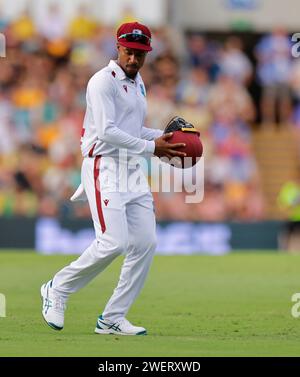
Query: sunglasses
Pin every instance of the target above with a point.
(135, 37)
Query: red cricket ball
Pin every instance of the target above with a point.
(193, 148)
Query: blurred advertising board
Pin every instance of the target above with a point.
(72, 236)
(51, 236)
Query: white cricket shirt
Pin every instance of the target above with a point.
(115, 115)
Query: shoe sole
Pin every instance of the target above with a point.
(50, 324)
(113, 332)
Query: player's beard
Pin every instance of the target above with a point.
(131, 71)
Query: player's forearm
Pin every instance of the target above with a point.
(120, 139)
(150, 133)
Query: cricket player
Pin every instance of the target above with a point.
(124, 220)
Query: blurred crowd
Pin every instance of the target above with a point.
(42, 103)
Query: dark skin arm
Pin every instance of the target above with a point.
(165, 149)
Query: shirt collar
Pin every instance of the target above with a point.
(120, 74)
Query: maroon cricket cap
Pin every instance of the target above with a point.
(134, 35)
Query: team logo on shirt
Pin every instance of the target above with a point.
(106, 201)
(125, 88)
(143, 90)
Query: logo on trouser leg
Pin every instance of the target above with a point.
(106, 201)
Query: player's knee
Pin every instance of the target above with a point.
(115, 246)
(146, 242)
(120, 246)
(153, 242)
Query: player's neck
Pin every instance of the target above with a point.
(131, 77)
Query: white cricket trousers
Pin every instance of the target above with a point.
(124, 222)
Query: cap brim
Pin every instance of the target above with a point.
(135, 45)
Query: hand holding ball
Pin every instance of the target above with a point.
(184, 133)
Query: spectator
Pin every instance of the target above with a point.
(227, 93)
(274, 63)
(82, 26)
(194, 87)
(3, 20)
(23, 28)
(289, 203)
(234, 63)
(53, 25)
(204, 54)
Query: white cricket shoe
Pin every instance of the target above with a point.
(53, 307)
(121, 327)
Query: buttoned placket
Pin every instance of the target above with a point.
(133, 83)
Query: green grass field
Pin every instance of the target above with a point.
(236, 305)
